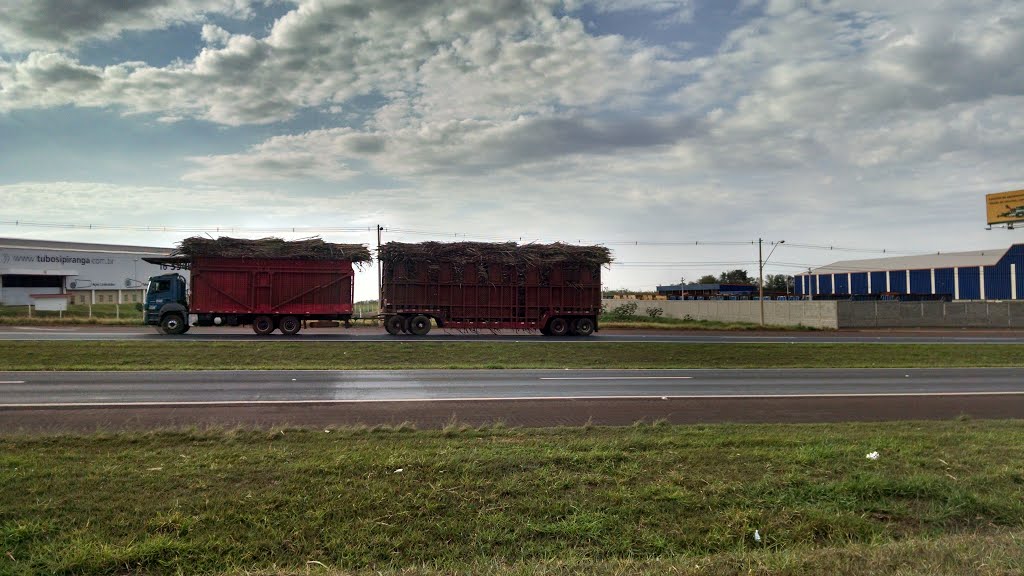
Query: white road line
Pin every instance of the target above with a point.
(619, 378)
(499, 399)
(12, 381)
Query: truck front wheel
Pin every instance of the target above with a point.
(263, 325)
(173, 324)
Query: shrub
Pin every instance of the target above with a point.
(625, 310)
(655, 312)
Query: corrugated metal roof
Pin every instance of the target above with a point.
(920, 262)
(79, 246)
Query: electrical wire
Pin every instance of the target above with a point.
(402, 231)
(191, 229)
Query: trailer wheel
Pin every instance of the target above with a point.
(393, 324)
(173, 324)
(583, 327)
(290, 325)
(263, 325)
(405, 324)
(419, 325)
(558, 327)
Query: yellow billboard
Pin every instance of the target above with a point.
(1005, 207)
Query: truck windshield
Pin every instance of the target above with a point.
(159, 286)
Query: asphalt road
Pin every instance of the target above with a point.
(123, 333)
(59, 402)
(314, 386)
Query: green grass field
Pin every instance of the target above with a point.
(75, 314)
(180, 354)
(943, 498)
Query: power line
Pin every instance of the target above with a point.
(437, 234)
(218, 229)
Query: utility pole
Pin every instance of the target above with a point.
(760, 277)
(810, 289)
(760, 271)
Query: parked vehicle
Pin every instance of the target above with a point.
(553, 288)
(277, 285)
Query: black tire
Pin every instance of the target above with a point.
(545, 331)
(186, 328)
(393, 324)
(290, 325)
(405, 324)
(173, 324)
(583, 327)
(558, 327)
(263, 325)
(419, 325)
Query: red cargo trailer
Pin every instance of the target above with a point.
(269, 294)
(240, 289)
(556, 296)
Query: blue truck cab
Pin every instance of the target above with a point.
(167, 304)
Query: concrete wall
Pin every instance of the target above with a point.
(786, 313)
(961, 314)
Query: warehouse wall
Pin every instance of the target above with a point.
(980, 314)
(796, 313)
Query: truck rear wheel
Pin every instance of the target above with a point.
(583, 327)
(290, 325)
(419, 325)
(173, 324)
(558, 327)
(263, 325)
(393, 324)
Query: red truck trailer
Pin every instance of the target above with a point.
(268, 293)
(553, 288)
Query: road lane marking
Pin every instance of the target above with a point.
(617, 378)
(160, 404)
(12, 381)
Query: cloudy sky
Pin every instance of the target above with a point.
(678, 126)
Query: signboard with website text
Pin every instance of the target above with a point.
(85, 270)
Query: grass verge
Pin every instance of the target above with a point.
(635, 322)
(944, 497)
(76, 314)
(180, 354)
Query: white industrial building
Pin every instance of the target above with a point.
(86, 273)
(996, 274)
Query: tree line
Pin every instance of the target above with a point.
(775, 282)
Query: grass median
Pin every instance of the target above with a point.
(943, 497)
(183, 355)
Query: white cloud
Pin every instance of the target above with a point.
(496, 59)
(675, 10)
(62, 25)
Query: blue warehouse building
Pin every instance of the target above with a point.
(979, 275)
